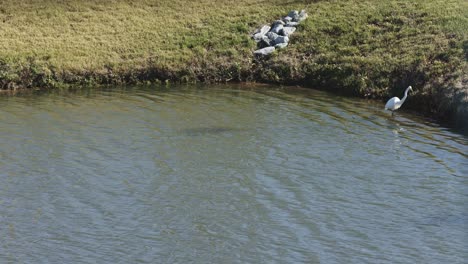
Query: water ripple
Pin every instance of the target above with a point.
(226, 174)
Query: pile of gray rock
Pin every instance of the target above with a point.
(276, 36)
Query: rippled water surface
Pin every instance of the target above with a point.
(227, 174)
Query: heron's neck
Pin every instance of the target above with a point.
(406, 95)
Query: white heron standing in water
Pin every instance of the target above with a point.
(395, 102)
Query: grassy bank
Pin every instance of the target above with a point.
(366, 48)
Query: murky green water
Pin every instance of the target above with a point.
(227, 174)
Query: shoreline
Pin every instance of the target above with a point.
(448, 104)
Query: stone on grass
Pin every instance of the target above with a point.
(287, 19)
(264, 29)
(281, 45)
(265, 42)
(265, 51)
(277, 35)
(257, 37)
(294, 15)
(281, 39)
(271, 36)
(302, 15)
(260, 33)
(277, 22)
(288, 30)
(292, 24)
(277, 28)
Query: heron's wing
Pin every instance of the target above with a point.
(392, 103)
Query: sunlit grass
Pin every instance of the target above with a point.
(93, 34)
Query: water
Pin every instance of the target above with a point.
(227, 174)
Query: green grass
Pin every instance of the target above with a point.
(96, 34)
(367, 48)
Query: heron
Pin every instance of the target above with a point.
(395, 102)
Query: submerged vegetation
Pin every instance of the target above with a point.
(366, 48)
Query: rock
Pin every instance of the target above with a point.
(287, 19)
(277, 28)
(281, 45)
(292, 24)
(294, 15)
(280, 39)
(257, 37)
(277, 35)
(265, 29)
(265, 42)
(264, 51)
(288, 31)
(271, 36)
(278, 22)
(260, 33)
(302, 16)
